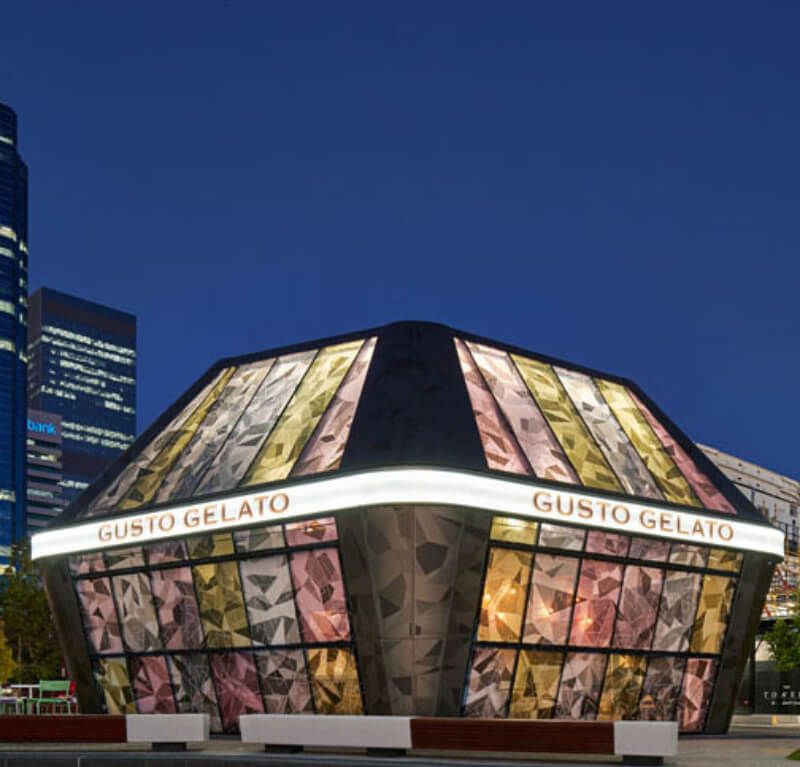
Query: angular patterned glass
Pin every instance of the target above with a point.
(319, 530)
(513, 530)
(144, 488)
(623, 683)
(550, 600)
(568, 427)
(236, 680)
(121, 559)
(319, 595)
(112, 677)
(712, 614)
(137, 615)
(99, 615)
(649, 549)
(334, 681)
(529, 426)
(489, 683)
(581, 682)
(696, 694)
(85, 564)
(662, 686)
(255, 424)
(268, 596)
(219, 594)
(685, 554)
(560, 537)
(670, 480)
(284, 679)
(596, 603)
(194, 687)
(507, 575)
(259, 538)
(178, 612)
(499, 444)
(724, 559)
(536, 684)
(613, 441)
(209, 545)
(166, 552)
(676, 611)
(710, 496)
(152, 685)
(612, 544)
(638, 608)
(283, 447)
(324, 450)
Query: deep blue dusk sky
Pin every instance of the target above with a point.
(614, 184)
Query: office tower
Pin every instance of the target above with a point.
(82, 366)
(44, 469)
(13, 302)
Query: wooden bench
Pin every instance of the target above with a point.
(167, 732)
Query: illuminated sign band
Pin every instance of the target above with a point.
(384, 487)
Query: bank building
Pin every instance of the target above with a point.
(410, 520)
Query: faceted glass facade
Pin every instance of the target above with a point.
(613, 628)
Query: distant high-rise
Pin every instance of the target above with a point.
(82, 366)
(13, 303)
(44, 469)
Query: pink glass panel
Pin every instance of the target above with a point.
(152, 687)
(311, 531)
(319, 594)
(99, 615)
(176, 606)
(83, 564)
(166, 551)
(649, 549)
(704, 488)
(695, 694)
(499, 445)
(236, 680)
(638, 607)
(596, 603)
(598, 542)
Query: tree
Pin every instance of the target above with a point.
(783, 640)
(7, 662)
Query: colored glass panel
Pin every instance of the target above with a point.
(219, 594)
(529, 426)
(581, 682)
(121, 559)
(612, 544)
(489, 683)
(152, 686)
(685, 554)
(638, 607)
(499, 445)
(319, 595)
(321, 530)
(560, 537)
(166, 552)
(550, 599)
(85, 564)
(617, 448)
(724, 559)
(696, 694)
(662, 686)
(259, 538)
(623, 683)
(99, 615)
(284, 679)
(270, 604)
(256, 423)
(210, 545)
(137, 615)
(513, 530)
(712, 614)
(194, 687)
(659, 463)
(596, 603)
(649, 549)
(143, 490)
(536, 684)
(710, 496)
(285, 443)
(577, 443)
(177, 608)
(236, 680)
(334, 681)
(325, 449)
(112, 677)
(676, 611)
(507, 575)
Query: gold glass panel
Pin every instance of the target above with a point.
(112, 674)
(146, 485)
(297, 423)
(669, 478)
(536, 684)
(210, 545)
(623, 682)
(514, 530)
(334, 681)
(503, 603)
(712, 614)
(219, 594)
(724, 559)
(569, 428)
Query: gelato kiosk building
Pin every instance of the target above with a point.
(410, 520)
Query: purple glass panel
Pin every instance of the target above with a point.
(285, 681)
(695, 694)
(99, 615)
(319, 593)
(152, 686)
(176, 606)
(236, 680)
(596, 603)
(662, 686)
(676, 612)
(165, 552)
(581, 683)
(84, 564)
(194, 687)
(638, 607)
(489, 683)
(311, 531)
(649, 549)
(599, 542)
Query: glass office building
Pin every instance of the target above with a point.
(44, 469)
(13, 303)
(411, 520)
(82, 366)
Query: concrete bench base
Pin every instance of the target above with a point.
(167, 732)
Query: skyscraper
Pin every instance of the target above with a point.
(13, 304)
(44, 469)
(83, 367)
